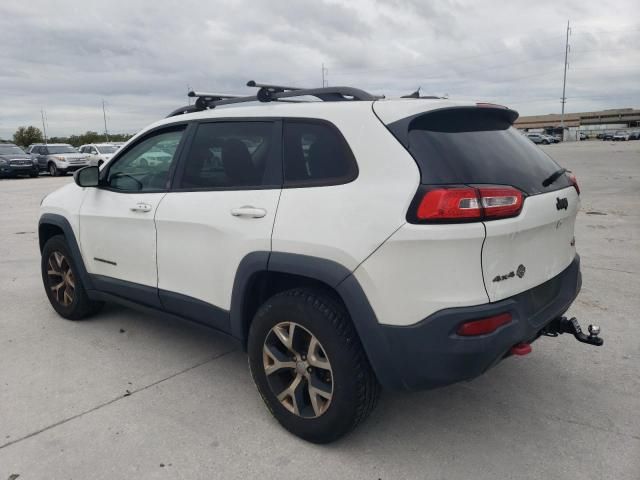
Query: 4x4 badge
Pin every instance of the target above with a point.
(561, 203)
(520, 271)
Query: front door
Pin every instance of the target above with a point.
(117, 229)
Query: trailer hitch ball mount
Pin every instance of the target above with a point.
(562, 325)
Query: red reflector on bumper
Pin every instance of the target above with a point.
(484, 325)
(521, 349)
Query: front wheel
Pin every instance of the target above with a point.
(53, 170)
(64, 287)
(309, 365)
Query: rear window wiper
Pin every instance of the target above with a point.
(553, 177)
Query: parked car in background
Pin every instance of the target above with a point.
(621, 136)
(99, 153)
(539, 138)
(58, 158)
(584, 136)
(635, 135)
(607, 136)
(14, 161)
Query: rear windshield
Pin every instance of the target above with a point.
(479, 146)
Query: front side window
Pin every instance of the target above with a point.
(146, 166)
(231, 155)
(315, 153)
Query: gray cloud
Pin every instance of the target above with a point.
(140, 56)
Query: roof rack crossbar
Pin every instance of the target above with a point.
(270, 93)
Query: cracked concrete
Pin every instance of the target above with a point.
(566, 411)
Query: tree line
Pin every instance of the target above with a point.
(25, 136)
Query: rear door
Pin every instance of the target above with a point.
(478, 147)
(221, 209)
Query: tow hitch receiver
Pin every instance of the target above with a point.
(562, 325)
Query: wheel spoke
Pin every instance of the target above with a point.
(70, 281)
(58, 258)
(57, 287)
(319, 396)
(315, 355)
(274, 360)
(284, 332)
(289, 396)
(66, 298)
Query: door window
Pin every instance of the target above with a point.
(146, 166)
(232, 155)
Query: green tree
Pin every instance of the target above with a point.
(25, 136)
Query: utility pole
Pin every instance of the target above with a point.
(188, 90)
(104, 115)
(44, 125)
(325, 71)
(564, 81)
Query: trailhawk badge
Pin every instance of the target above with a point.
(520, 271)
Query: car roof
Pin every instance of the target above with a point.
(394, 109)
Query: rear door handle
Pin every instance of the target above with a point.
(249, 212)
(142, 207)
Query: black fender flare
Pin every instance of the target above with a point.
(337, 277)
(64, 225)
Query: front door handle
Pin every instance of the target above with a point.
(249, 212)
(142, 207)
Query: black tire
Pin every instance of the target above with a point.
(355, 389)
(545, 142)
(81, 306)
(34, 175)
(53, 169)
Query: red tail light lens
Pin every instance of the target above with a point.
(449, 203)
(462, 203)
(484, 325)
(574, 182)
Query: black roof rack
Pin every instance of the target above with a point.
(271, 93)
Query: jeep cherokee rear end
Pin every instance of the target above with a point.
(487, 257)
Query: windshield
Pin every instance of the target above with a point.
(478, 146)
(10, 150)
(61, 149)
(106, 149)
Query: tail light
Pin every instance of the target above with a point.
(484, 325)
(449, 204)
(574, 182)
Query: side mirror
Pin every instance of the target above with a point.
(87, 177)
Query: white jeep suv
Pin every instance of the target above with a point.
(347, 244)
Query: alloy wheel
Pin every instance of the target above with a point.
(298, 370)
(61, 279)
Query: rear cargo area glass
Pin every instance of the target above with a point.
(478, 146)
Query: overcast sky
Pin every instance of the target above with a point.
(139, 56)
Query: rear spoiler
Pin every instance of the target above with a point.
(482, 116)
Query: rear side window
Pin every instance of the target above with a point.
(478, 146)
(316, 154)
(232, 155)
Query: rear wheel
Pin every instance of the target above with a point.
(309, 365)
(64, 287)
(53, 169)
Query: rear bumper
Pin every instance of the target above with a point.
(429, 354)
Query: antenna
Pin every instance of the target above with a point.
(104, 115)
(564, 81)
(44, 125)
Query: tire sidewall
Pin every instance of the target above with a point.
(337, 419)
